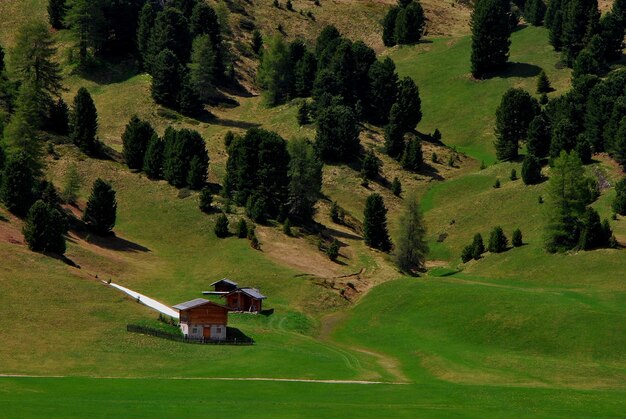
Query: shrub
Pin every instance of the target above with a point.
(242, 228)
(333, 250)
(619, 203)
(478, 247)
(434, 158)
(370, 166)
(496, 185)
(513, 174)
(71, 186)
(221, 226)
(396, 187)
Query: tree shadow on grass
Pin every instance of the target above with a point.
(232, 123)
(232, 334)
(341, 234)
(111, 241)
(429, 170)
(523, 70)
(110, 72)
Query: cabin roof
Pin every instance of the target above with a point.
(225, 281)
(195, 303)
(251, 292)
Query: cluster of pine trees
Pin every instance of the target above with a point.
(404, 24)
(273, 179)
(180, 157)
(498, 243)
(587, 40)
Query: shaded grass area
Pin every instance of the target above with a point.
(462, 108)
(164, 398)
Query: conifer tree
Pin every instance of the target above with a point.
(153, 159)
(490, 36)
(205, 200)
(478, 247)
(394, 134)
(389, 27)
(59, 117)
(531, 170)
(337, 133)
(612, 33)
(619, 9)
(101, 210)
(44, 229)
(305, 179)
(383, 90)
(135, 141)
(171, 32)
(592, 235)
(204, 21)
(538, 136)
(411, 249)
(375, 223)
(85, 18)
(72, 183)
(326, 37)
(84, 122)
(412, 158)
(409, 103)
(203, 67)
(274, 71)
(517, 109)
(556, 29)
(370, 166)
(196, 177)
(147, 15)
(396, 187)
(188, 102)
(257, 41)
(166, 79)
(221, 226)
(333, 250)
(517, 239)
(56, 13)
(619, 203)
(618, 149)
(543, 83)
(17, 184)
(242, 228)
(497, 241)
(409, 24)
(578, 23)
(534, 12)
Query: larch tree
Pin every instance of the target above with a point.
(203, 68)
(274, 71)
(411, 245)
(86, 20)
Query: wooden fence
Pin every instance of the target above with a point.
(239, 340)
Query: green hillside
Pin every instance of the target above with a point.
(522, 333)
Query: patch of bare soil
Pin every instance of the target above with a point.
(11, 229)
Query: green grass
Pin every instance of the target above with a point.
(462, 108)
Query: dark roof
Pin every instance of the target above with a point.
(225, 281)
(251, 292)
(195, 303)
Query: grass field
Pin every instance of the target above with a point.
(520, 334)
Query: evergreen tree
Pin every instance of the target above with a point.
(337, 133)
(203, 68)
(467, 253)
(396, 187)
(257, 42)
(534, 12)
(578, 24)
(166, 79)
(304, 74)
(619, 203)
(242, 228)
(221, 226)
(612, 33)
(44, 229)
(326, 37)
(101, 210)
(591, 60)
(411, 249)
(273, 74)
(517, 109)
(490, 36)
(538, 136)
(17, 184)
(144, 33)
(196, 177)
(556, 30)
(170, 32)
(56, 13)
(204, 21)
(531, 170)
(383, 90)
(409, 24)
(412, 158)
(563, 137)
(592, 235)
(389, 27)
(619, 9)
(59, 117)
(568, 189)
(410, 104)
(497, 241)
(333, 250)
(305, 179)
(543, 83)
(85, 18)
(303, 114)
(618, 150)
(135, 141)
(84, 122)
(370, 166)
(72, 182)
(188, 102)
(553, 7)
(517, 239)
(375, 223)
(478, 247)
(607, 139)
(206, 200)
(181, 148)
(153, 159)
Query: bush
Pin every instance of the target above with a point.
(496, 185)
(287, 228)
(396, 187)
(619, 203)
(434, 158)
(513, 174)
(206, 200)
(221, 226)
(497, 241)
(516, 240)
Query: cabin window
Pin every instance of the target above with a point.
(194, 330)
(219, 330)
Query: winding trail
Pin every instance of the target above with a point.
(145, 300)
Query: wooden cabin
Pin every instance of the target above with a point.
(203, 319)
(245, 299)
(224, 285)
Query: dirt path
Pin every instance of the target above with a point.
(288, 380)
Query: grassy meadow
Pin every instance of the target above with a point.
(521, 333)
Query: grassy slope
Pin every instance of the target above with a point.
(537, 327)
